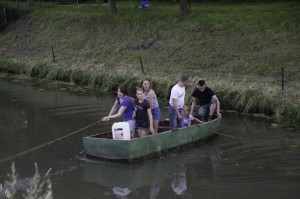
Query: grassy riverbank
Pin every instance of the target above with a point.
(238, 48)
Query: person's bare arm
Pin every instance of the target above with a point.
(218, 107)
(119, 114)
(150, 120)
(197, 120)
(193, 105)
(151, 98)
(113, 108)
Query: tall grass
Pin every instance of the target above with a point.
(39, 186)
(233, 97)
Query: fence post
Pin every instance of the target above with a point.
(282, 78)
(142, 65)
(53, 56)
(5, 18)
(77, 6)
(18, 8)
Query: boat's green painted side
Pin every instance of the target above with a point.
(140, 147)
(106, 148)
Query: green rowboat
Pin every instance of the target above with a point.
(103, 146)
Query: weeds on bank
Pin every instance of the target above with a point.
(234, 95)
(39, 187)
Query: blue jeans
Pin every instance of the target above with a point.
(206, 107)
(174, 121)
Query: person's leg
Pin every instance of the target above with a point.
(180, 123)
(139, 131)
(172, 117)
(156, 118)
(155, 125)
(212, 108)
(143, 132)
(131, 127)
(203, 110)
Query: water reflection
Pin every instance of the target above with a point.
(215, 159)
(178, 180)
(157, 178)
(154, 190)
(127, 181)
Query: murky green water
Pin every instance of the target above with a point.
(35, 113)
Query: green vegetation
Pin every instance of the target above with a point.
(38, 186)
(238, 48)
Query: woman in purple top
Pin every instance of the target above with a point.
(126, 109)
(151, 97)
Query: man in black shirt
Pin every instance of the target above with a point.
(207, 99)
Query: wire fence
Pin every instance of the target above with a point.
(278, 76)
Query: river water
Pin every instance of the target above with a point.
(35, 112)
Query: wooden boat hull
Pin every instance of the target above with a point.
(141, 147)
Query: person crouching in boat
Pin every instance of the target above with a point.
(188, 118)
(209, 102)
(126, 109)
(143, 114)
(152, 98)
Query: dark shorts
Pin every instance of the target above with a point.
(144, 125)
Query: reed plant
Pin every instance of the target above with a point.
(232, 96)
(39, 187)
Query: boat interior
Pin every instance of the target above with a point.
(164, 125)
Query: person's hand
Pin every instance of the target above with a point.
(105, 119)
(133, 114)
(219, 115)
(179, 117)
